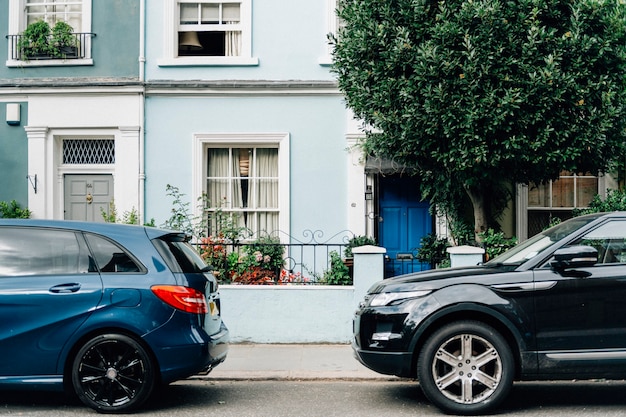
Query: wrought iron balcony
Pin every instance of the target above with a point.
(21, 50)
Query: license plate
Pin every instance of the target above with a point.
(213, 308)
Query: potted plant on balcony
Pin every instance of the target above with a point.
(34, 42)
(63, 41)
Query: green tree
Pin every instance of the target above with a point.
(477, 95)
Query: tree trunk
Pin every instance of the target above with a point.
(480, 213)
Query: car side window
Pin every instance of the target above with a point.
(610, 241)
(40, 251)
(110, 257)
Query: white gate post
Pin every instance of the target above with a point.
(369, 267)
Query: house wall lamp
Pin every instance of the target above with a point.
(13, 114)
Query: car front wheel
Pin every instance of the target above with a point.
(113, 373)
(465, 368)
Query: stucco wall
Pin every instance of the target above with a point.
(13, 156)
(316, 128)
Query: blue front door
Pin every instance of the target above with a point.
(404, 220)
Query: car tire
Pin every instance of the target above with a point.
(113, 373)
(466, 368)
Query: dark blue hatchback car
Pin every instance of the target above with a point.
(107, 311)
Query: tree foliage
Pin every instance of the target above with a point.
(480, 94)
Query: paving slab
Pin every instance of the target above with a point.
(292, 361)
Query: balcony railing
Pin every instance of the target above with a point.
(19, 52)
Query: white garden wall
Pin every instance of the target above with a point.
(300, 313)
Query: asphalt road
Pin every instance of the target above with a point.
(321, 398)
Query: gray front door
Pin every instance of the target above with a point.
(88, 196)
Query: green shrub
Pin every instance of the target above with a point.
(357, 241)
(12, 210)
(615, 201)
(338, 274)
(495, 243)
(432, 250)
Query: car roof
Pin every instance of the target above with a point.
(94, 227)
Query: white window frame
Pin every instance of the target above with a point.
(203, 141)
(17, 24)
(522, 207)
(170, 38)
(332, 24)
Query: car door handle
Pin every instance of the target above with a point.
(65, 288)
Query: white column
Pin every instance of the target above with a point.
(128, 177)
(40, 180)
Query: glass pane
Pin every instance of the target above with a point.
(189, 13)
(179, 255)
(40, 252)
(586, 189)
(613, 230)
(109, 256)
(267, 195)
(75, 22)
(538, 195)
(210, 13)
(230, 13)
(563, 192)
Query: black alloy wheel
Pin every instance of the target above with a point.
(466, 368)
(113, 373)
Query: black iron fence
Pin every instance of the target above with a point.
(76, 48)
(403, 265)
(312, 262)
(250, 262)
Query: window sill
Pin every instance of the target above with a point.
(325, 60)
(49, 63)
(207, 61)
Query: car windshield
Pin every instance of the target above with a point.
(536, 244)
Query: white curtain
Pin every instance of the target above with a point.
(220, 179)
(233, 43)
(225, 188)
(266, 173)
(231, 15)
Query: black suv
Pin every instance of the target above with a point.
(553, 307)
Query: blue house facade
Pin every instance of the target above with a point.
(250, 115)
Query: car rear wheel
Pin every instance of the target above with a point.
(113, 373)
(466, 368)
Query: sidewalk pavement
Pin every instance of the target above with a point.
(291, 361)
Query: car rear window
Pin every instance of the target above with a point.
(179, 255)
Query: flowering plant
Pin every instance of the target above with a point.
(256, 275)
(213, 251)
(288, 277)
(260, 262)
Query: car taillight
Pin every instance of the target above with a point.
(182, 298)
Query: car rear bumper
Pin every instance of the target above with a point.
(189, 359)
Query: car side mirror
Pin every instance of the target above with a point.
(579, 256)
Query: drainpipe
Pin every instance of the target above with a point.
(142, 102)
